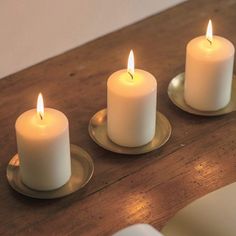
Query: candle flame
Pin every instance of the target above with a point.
(130, 67)
(40, 106)
(209, 33)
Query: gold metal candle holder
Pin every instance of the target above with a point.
(98, 132)
(176, 95)
(82, 169)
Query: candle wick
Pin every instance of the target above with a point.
(41, 117)
(209, 41)
(132, 77)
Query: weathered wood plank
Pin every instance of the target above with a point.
(152, 194)
(75, 83)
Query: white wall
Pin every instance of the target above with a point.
(34, 30)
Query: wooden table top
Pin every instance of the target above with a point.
(199, 158)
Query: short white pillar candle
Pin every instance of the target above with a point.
(43, 148)
(138, 230)
(131, 106)
(208, 72)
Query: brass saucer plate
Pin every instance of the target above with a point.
(82, 169)
(98, 132)
(176, 95)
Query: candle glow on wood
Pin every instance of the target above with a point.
(130, 66)
(209, 33)
(40, 106)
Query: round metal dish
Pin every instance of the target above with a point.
(98, 132)
(176, 95)
(82, 169)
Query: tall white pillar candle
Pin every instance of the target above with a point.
(208, 72)
(131, 106)
(43, 148)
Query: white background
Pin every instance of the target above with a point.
(34, 30)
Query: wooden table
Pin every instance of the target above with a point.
(199, 158)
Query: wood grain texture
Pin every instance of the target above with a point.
(199, 158)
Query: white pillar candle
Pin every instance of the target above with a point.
(208, 72)
(138, 230)
(131, 106)
(43, 148)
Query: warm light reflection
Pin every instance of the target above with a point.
(137, 206)
(209, 32)
(40, 106)
(130, 67)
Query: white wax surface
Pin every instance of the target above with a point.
(43, 149)
(208, 73)
(138, 230)
(211, 215)
(131, 107)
